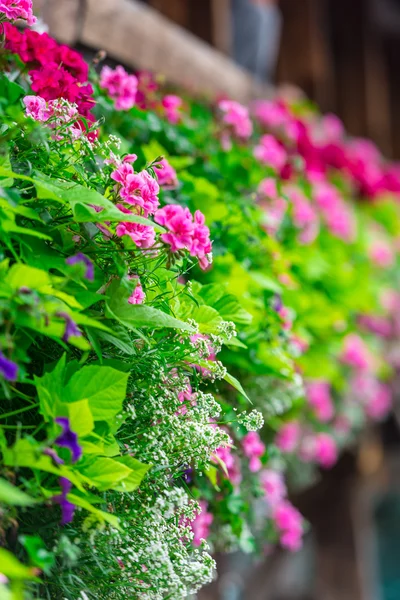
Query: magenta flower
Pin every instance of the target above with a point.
(253, 448)
(273, 485)
(179, 223)
(289, 521)
(171, 105)
(143, 235)
(8, 368)
(83, 259)
(36, 107)
(236, 116)
(319, 398)
(288, 437)
(121, 86)
(270, 152)
(18, 9)
(166, 175)
(67, 507)
(68, 438)
(201, 524)
(138, 296)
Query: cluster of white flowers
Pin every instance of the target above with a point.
(155, 558)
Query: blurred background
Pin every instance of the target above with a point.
(345, 55)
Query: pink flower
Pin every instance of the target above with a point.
(270, 152)
(18, 9)
(143, 235)
(381, 254)
(36, 107)
(355, 352)
(201, 244)
(337, 214)
(380, 402)
(137, 189)
(166, 175)
(224, 453)
(273, 485)
(288, 437)
(121, 86)
(271, 114)
(267, 187)
(326, 453)
(179, 223)
(201, 524)
(253, 448)
(171, 105)
(138, 296)
(236, 116)
(320, 448)
(289, 522)
(319, 398)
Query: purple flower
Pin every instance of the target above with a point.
(71, 328)
(53, 455)
(277, 303)
(82, 258)
(8, 368)
(188, 475)
(67, 508)
(68, 438)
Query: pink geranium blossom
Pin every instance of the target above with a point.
(320, 448)
(289, 522)
(273, 485)
(382, 254)
(253, 448)
(18, 9)
(120, 85)
(201, 524)
(236, 116)
(172, 105)
(138, 296)
(288, 437)
(319, 398)
(225, 454)
(270, 152)
(36, 107)
(142, 235)
(355, 353)
(179, 223)
(166, 175)
(268, 188)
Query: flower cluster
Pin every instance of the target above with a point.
(17, 9)
(121, 86)
(56, 71)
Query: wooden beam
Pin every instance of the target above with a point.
(140, 37)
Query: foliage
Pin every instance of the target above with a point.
(136, 367)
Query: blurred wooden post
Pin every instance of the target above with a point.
(222, 25)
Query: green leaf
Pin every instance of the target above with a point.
(12, 568)
(138, 471)
(10, 91)
(9, 494)
(82, 199)
(237, 385)
(37, 552)
(25, 453)
(104, 389)
(104, 473)
(100, 514)
(28, 276)
(80, 417)
(139, 315)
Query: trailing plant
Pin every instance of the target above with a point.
(197, 308)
